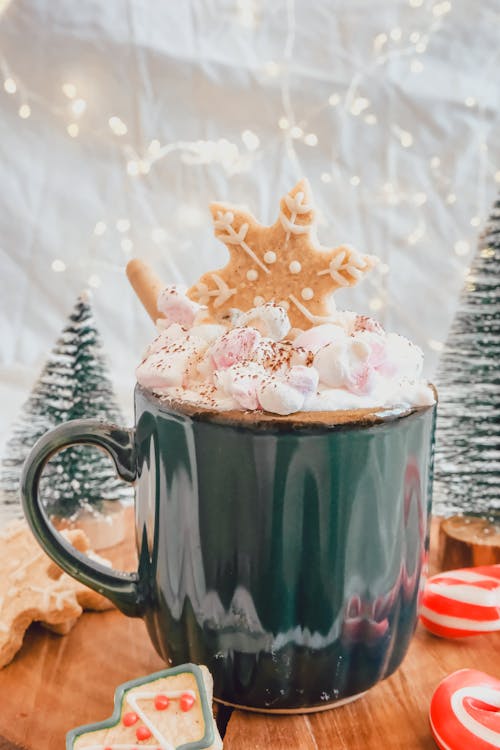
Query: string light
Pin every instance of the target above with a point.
(24, 111)
(325, 177)
(435, 162)
(132, 168)
(405, 138)
(333, 100)
(251, 140)
(355, 180)
(487, 252)
(100, 228)
(475, 221)
(78, 107)
(440, 9)
(123, 225)
(419, 199)
(370, 119)
(311, 139)
(117, 126)
(154, 147)
(10, 86)
(451, 198)
(283, 123)
(58, 265)
(379, 42)
(470, 101)
(69, 90)
(296, 132)
(73, 129)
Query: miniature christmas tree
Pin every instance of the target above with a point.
(73, 384)
(467, 468)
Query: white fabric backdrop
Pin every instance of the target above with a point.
(121, 120)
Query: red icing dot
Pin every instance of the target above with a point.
(142, 733)
(186, 702)
(130, 718)
(161, 702)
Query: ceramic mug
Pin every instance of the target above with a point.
(284, 555)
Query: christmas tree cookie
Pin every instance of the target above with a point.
(167, 710)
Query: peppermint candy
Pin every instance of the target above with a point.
(464, 711)
(462, 602)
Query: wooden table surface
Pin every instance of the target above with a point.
(58, 682)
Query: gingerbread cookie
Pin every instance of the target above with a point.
(165, 710)
(33, 588)
(282, 263)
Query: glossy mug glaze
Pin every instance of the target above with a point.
(284, 555)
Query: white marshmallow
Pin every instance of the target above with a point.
(315, 338)
(165, 369)
(270, 320)
(209, 332)
(280, 398)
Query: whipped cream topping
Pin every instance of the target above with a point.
(254, 361)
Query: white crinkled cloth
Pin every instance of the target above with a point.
(389, 109)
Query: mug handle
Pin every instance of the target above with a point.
(125, 590)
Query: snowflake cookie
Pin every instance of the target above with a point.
(166, 710)
(33, 588)
(282, 263)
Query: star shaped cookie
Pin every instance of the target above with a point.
(281, 263)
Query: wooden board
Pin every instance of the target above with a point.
(56, 683)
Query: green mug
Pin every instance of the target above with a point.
(285, 554)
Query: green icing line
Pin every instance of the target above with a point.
(206, 740)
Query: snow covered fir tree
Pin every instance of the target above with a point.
(467, 468)
(73, 384)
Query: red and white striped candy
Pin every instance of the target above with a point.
(464, 711)
(462, 602)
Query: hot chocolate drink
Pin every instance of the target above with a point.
(282, 455)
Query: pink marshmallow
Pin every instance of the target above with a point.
(234, 346)
(315, 338)
(303, 379)
(241, 382)
(176, 307)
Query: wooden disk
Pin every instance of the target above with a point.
(465, 542)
